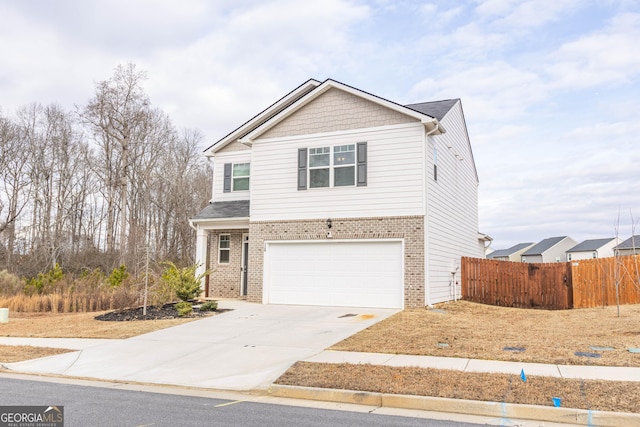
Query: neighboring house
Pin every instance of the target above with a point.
(553, 249)
(594, 248)
(484, 241)
(631, 246)
(511, 254)
(334, 196)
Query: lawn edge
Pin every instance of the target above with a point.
(499, 410)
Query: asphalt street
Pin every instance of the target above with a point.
(113, 407)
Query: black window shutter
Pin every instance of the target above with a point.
(362, 164)
(302, 169)
(227, 178)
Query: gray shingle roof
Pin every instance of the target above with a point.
(632, 242)
(437, 109)
(219, 210)
(544, 246)
(510, 251)
(590, 245)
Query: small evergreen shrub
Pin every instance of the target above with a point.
(44, 283)
(182, 280)
(184, 308)
(118, 275)
(209, 306)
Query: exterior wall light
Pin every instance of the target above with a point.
(329, 223)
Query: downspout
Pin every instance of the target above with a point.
(427, 290)
(211, 163)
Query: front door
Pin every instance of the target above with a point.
(245, 265)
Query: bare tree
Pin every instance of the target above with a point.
(15, 183)
(115, 116)
(88, 190)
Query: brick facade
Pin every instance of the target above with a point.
(225, 279)
(410, 228)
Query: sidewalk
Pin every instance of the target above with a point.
(607, 373)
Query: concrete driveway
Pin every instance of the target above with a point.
(243, 349)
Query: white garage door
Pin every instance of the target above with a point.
(350, 274)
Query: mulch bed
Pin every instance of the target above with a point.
(167, 311)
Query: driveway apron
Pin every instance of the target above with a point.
(246, 348)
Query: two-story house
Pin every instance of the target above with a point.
(334, 196)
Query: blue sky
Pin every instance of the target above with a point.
(550, 88)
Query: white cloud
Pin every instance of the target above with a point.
(607, 56)
(524, 15)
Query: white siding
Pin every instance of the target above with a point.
(452, 208)
(558, 253)
(218, 175)
(394, 171)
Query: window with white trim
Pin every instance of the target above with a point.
(319, 167)
(337, 166)
(344, 165)
(241, 176)
(332, 166)
(236, 177)
(224, 248)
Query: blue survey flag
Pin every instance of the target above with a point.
(523, 377)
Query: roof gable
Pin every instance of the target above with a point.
(430, 123)
(336, 110)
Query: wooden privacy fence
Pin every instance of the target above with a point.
(553, 286)
(517, 284)
(594, 281)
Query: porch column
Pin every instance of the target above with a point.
(201, 253)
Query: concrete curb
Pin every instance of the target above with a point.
(459, 406)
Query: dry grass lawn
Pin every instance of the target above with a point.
(69, 325)
(482, 332)
(479, 331)
(580, 394)
(79, 325)
(18, 353)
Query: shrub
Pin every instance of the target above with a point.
(209, 306)
(182, 280)
(184, 308)
(10, 284)
(44, 283)
(118, 275)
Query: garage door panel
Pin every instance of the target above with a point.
(366, 274)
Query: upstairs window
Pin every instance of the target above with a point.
(241, 176)
(337, 166)
(344, 165)
(319, 167)
(236, 177)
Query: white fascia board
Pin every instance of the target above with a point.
(429, 122)
(261, 116)
(220, 223)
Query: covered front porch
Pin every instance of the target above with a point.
(222, 248)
